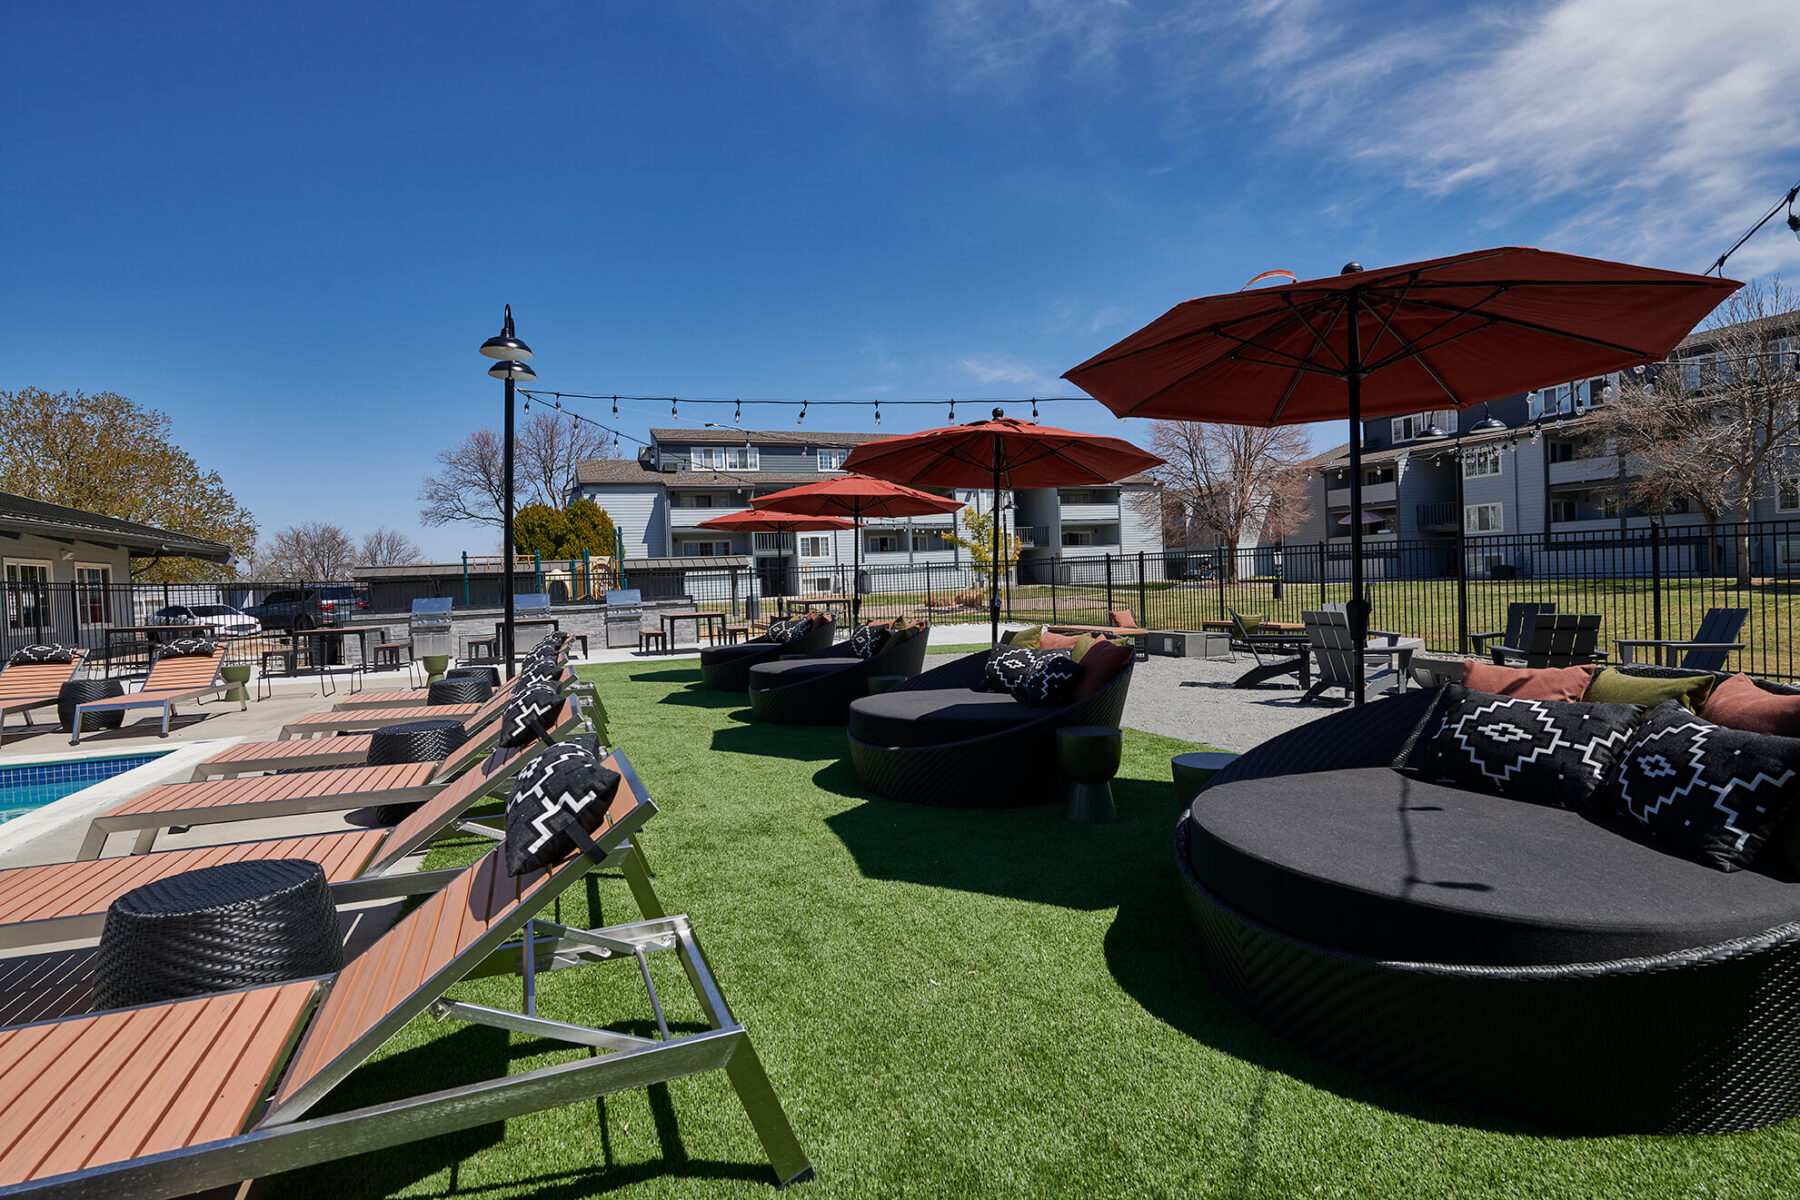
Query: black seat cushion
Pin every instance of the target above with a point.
(780, 674)
(935, 716)
(714, 655)
(1372, 862)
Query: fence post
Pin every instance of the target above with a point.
(1656, 580)
(1219, 574)
(467, 602)
(1322, 569)
(1143, 613)
(1462, 588)
(1109, 599)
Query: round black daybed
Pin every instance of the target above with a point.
(727, 668)
(933, 740)
(819, 688)
(1506, 956)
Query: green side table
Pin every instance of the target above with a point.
(1089, 755)
(435, 666)
(237, 675)
(1194, 771)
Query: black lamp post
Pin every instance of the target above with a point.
(511, 368)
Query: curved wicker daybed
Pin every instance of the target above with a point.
(818, 689)
(1498, 954)
(933, 740)
(727, 668)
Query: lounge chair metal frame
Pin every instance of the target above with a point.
(23, 702)
(166, 700)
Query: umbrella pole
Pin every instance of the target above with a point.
(856, 568)
(994, 561)
(1358, 608)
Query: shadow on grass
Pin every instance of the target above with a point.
(802, 743)
(673, 675)
(699, 697)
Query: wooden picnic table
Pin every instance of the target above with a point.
(670, 618)
(1273, 626)
(324, 669)
(809, 603)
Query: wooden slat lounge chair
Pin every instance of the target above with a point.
(1554, 640)
(1705, 651)
(413, 697)
(1514, 634)
(168, 1099)
(473, 716)
(26, 686)
(217, 801)
(172, 680)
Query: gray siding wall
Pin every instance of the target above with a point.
(639, 513)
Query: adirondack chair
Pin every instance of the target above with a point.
(1514, 633)
(1554, 640)
(1336, 655)
(1276, 654)
(1705, 651)
(169, 1099)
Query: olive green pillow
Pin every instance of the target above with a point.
(1616, 687)
(1027, 638)
(1250, 622)
(1086, 642)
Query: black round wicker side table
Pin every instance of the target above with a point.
(81, 691)
(228, 926)
(1089, 755)
(458, 691)
(488, 675)
(1192, 771)
(415, 741)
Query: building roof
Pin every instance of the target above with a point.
(688, 562)
(736, 437)
(25, 515)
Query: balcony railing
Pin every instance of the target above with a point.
(1438, 515)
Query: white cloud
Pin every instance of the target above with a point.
(1004, 368)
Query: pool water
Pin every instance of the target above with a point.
(28, 788)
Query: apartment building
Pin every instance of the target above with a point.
(685, 476)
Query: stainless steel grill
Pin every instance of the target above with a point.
(429, 626)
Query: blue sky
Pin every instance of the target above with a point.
(290, 226)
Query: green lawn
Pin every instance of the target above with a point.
(956, 1004)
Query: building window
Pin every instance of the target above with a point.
(1562, 452)
(1483, 518)
(1077, 537)
(93, 593)
(1561, 510)
(1787, 553)
(1787, 493)
(726, 458)
(881, 543)
(27, 594)
(815, 547)
(926, 540)
(1483, 460)
(1406, 428)
(832, 460)
(1609, 506)
(704, 549)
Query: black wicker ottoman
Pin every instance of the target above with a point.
(82, 691)
(229, 926)
(459, 691)
(414, 741)
(488, 675)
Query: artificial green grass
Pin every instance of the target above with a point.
(954, 1003)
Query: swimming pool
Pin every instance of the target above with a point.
(28, 788)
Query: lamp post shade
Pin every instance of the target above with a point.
(1004, 454)
(1443, 333)
(857, 497)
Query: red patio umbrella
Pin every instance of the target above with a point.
(762, 520)
(1005, 454)
(1445, 333)
(856, 497)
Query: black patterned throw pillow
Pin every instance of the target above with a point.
(1546, 751)
(52, 653)
(1008, 667)
(558, 802)
(529, 714)
(1710, 793)
(869, 640)
(548, 644)
(542, 670)
(1052, 680)
(184, 647)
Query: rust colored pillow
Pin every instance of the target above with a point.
(1737, 703)
(1122, 618)
(1057, 641)
(1527, 683)
(1103, 660)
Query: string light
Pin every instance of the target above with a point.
(953, 410)
(802, 417)
(878, 413)
(615, 406)
(672, 411)
(737, 412)
(1034, 408)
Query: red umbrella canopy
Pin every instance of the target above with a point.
(1025, 455)
(762, 520)
(858, 497)
(1445, 333)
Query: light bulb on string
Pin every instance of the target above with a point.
(615, 406)
(953, 410)
(672, 404)
(1034, 408)
(801, 419)
(878, 414)
(737, 412)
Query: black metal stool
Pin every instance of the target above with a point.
(1089, 755)
(216, 929)
(80, 691)
(458, 691)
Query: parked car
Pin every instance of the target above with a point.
(308, 608)
(219, 618)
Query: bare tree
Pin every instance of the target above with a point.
(384, 547)
(310, 552)
(1714, 423)
(1231, 482)
(469, 483)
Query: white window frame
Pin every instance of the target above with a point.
(1410, 426)
(691, 549)
(1472, 522)
(1480, 456)
(82, 587)
(1787, 553)
(893, 535)
(1081, 537)
(727, 458)
(15, 593)
(832, 458)
(815, 545)
(1780, 485)
(927, 536)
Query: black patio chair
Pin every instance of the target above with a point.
(1554, 640)
(1335, 653)
(1287, 654)
(1514, 633)
(1706, 650)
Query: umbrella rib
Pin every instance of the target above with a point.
(1306, 365)
(1218, 329)
(1517, 323)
